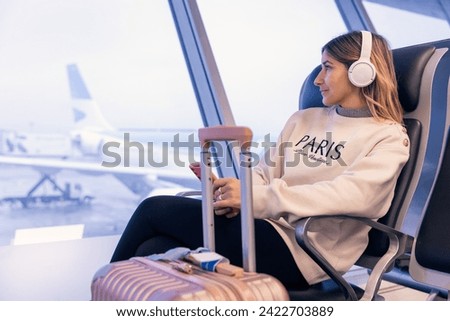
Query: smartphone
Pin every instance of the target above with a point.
(195, 168)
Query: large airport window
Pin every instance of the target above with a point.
(264, 51)
(406, 23)
(85, 86)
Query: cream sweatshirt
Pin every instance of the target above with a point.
(329, 161)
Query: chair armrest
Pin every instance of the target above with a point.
(397, 246)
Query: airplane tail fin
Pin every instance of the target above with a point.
(86, 112)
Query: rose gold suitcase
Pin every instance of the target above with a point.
(140, 278)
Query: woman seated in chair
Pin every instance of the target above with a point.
(342, 159)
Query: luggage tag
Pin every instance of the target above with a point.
(214, 262)
(202, 257)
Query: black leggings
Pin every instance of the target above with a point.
(164, 222)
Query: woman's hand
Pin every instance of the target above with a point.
(227, 195)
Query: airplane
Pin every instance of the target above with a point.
(260, 32)
(95, 147)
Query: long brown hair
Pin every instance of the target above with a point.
(382, 95)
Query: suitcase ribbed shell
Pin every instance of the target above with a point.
(141, 279)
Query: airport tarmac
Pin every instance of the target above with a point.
(107, 214)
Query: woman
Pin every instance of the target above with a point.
(344, 159)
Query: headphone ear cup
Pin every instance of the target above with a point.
(362, 73)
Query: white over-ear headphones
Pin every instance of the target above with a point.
(362, 72)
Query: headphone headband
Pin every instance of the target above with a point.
(362, 72)
(366, 45)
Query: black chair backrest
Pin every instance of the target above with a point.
(432, 249)
(409, 64)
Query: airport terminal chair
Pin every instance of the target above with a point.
(430, 256)
(385, 243)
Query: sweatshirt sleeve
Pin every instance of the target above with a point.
(365, 188)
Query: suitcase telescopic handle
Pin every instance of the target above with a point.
(243, 135)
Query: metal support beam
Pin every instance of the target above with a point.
(205, 77)
(445, 5)
(355, 15)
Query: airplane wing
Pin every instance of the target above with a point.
(90, 167)
(150, 176)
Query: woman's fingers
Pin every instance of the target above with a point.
(227, 211)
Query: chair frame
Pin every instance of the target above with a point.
(438, 280)
(397, 245)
